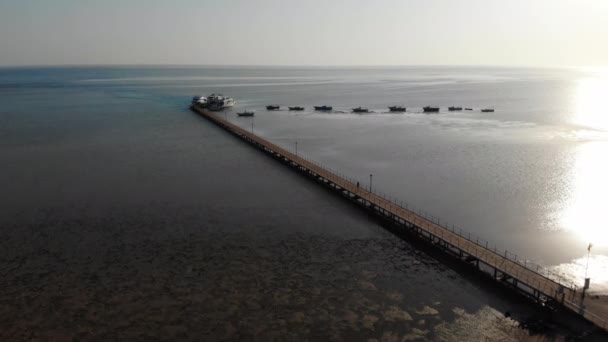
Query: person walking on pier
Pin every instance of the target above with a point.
(357, 185)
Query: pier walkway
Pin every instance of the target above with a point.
(516, 274)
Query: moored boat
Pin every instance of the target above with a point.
(273, 107)
(217, 102)
(215, 97)
(468, 109)
(202, 103)
(396, 108)
(323, 108)
(246, 113)
(429, 109)
(360, 110)
(452, 109)
(296, 108)
(198, 99)
(487, 110)
(229, 102)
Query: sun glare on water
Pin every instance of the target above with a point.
(587, 211)
(590, 107)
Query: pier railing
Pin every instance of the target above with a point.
(530, 267)
(532, 275)
(480, 242)
(484, 244)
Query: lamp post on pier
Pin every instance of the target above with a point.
(370, 182)
(587, 280)
(296, 148)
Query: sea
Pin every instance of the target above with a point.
(124, 215)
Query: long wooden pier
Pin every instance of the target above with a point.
(515, 274)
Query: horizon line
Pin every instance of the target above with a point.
(16, 66)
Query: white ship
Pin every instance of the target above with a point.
(196, 98)
(215, 97)
(218, 102)
(200, 101)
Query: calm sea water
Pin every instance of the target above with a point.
(527, 178)
(114, 192)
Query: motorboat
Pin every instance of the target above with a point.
(488, 110)
(453, 109)
(229, 102)
(202, 103)
(360, 110)
(429, 109)
(396, 108)
(199, 99)
(215, 97)
(246, 113)
(296, 108)
(323, 108)
(273, 107)
(217, 102)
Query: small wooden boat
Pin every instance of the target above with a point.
(273, 107)
(453, 109)
(396, 108)
(488, 110)
(468, 109)
(246, 113)
(429, 109)
(296, 108)
(323, 108)
(360, 110)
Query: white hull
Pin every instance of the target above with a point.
(229, 102)
(221, 104)
(213, 102)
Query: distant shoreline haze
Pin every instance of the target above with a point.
(304, 66)
(544, 33)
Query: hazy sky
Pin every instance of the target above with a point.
(305, 32)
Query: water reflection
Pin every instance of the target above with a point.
(589, 101)
(585, 213)
(598, 272)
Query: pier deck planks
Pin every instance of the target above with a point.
(567, 296)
